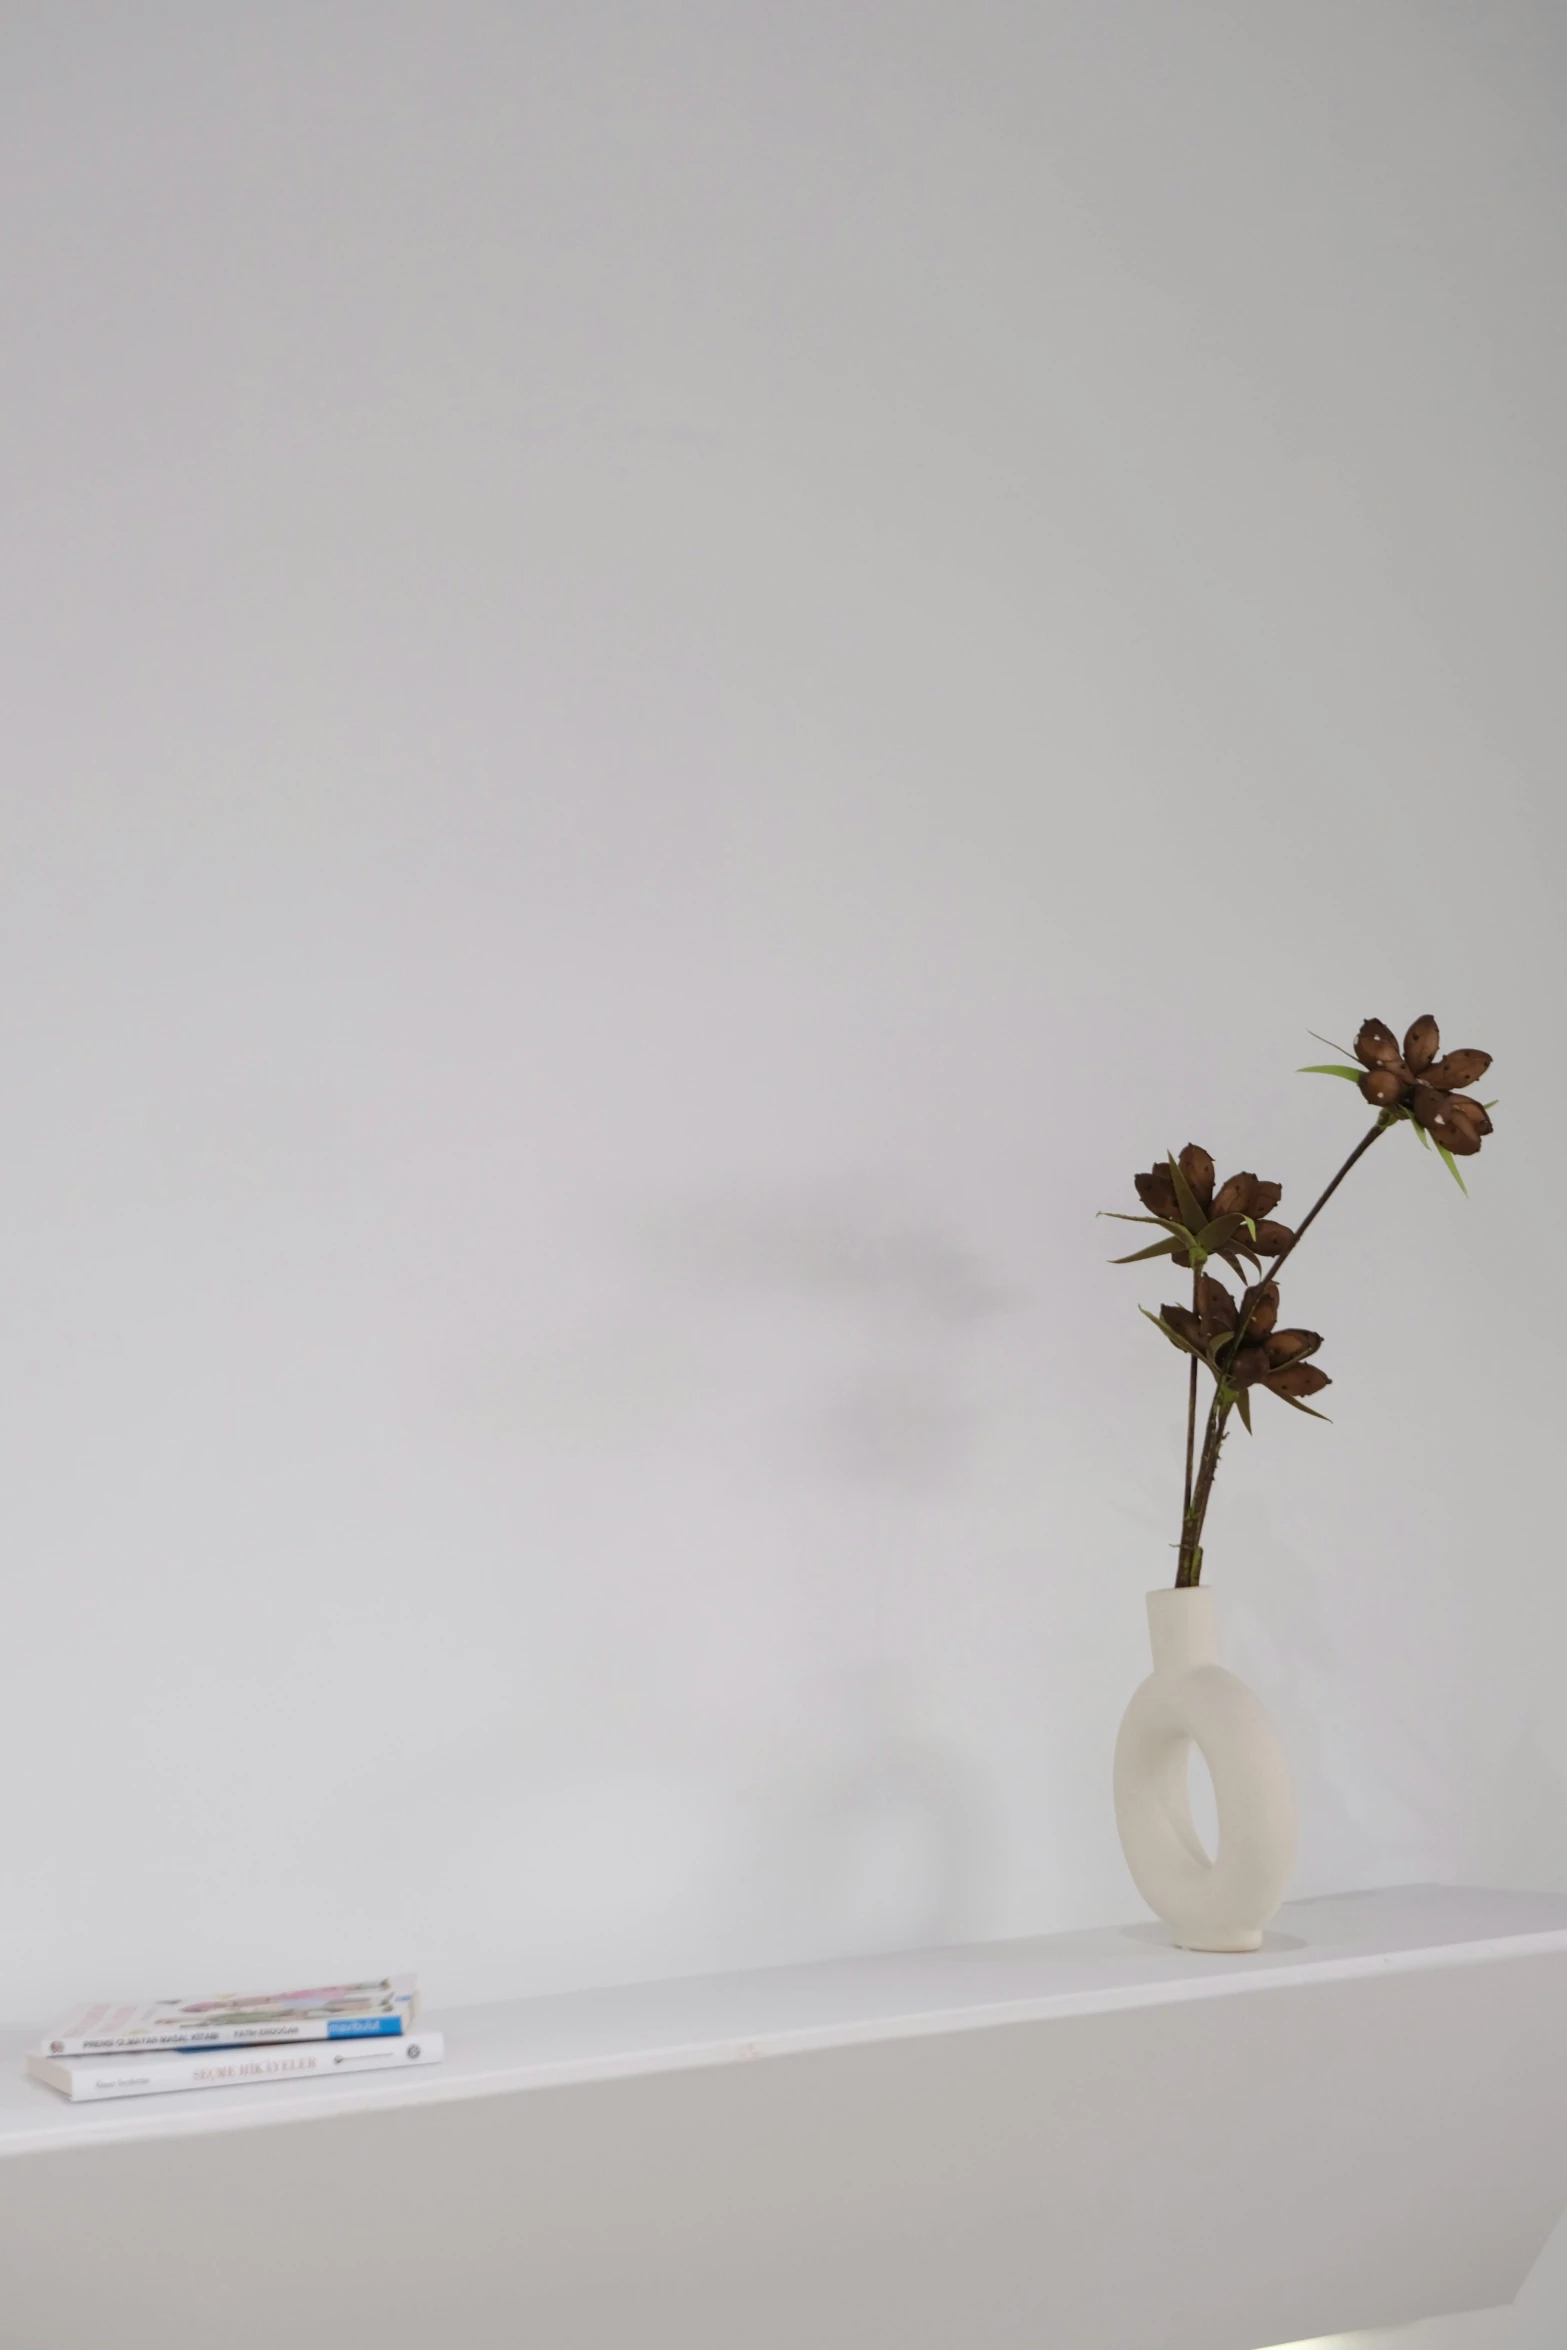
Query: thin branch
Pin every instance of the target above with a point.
(1191, 1418)
(1189, 1564)
(1189, 1572)
(1359, 1152)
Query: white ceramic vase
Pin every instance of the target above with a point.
(1190, 1700)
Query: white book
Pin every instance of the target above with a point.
(334, 2011)
(84, 2078)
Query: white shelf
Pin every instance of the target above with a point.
(1091, 2140)
(661, 2027)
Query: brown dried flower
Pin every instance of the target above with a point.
(1266, 1356)
(1230, 1222)
(1422, 1086)
(1238, 1340)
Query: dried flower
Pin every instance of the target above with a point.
(1230, 1223)
(1265, 1357)
(1419, 1085)
(1237, 1340)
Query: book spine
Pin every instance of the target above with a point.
(284, 2030)
(124, 2077)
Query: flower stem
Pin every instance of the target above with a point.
(1188, 1568)
(1359, 1152)
(1188, 1571)
(1191, 1415)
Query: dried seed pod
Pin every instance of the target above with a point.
(1246, 1195)
(1455, 1120)
(1385, 1087)
(1376, 1045)
(1419, 1082)
(1422, 1043)
(1197, 1167)
(1297, 1380)
(1262, 1308)
(1460, 1068)
(1157, 1193)
(1189, 1178)
(1292, 1346)
(1215, 1305)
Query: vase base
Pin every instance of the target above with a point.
(1236, 1946)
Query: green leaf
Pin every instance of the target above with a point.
(1185, 1197)
(1296, 1406)
(1160, 1248)
(1216, 1235)
(1173, 1336)
(1451, 1164)
(1243, 1406)
(1425, 1139)
(1338, 1048)
(1162, 1221)
(1331, 1069)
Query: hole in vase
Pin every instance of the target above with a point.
(1204, 1803)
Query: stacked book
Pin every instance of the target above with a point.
(234, 2040)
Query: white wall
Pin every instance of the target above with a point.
(675, 678)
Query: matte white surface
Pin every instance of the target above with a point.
(674, 679)
(1096, 2141)
(732, 2019)
(1190, 1703)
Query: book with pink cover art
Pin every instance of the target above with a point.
(335, 2011)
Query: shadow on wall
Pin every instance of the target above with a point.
(1283, 1636)
(1394, 1790)
(862, 1830)
(906, 1297)
(887, 1838)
